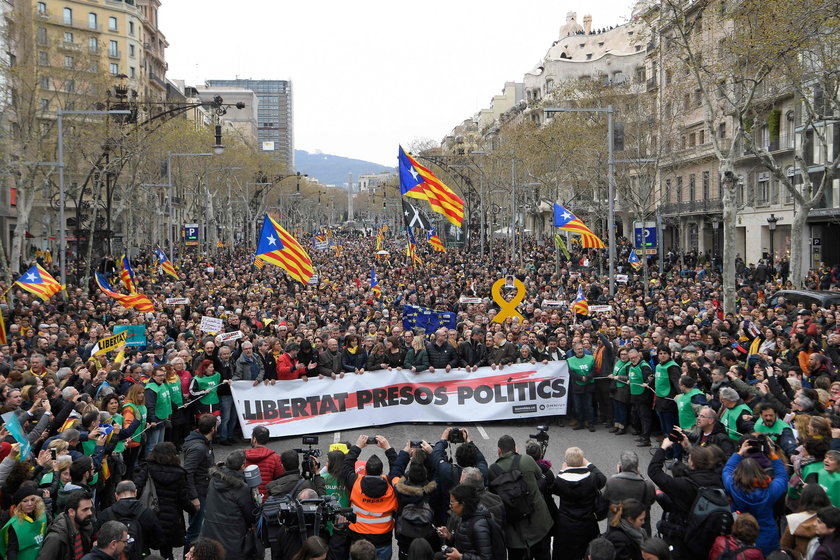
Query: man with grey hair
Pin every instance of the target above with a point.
(249, 365)
(329, 361)
(471, 476)
(142, 525)
(629, 483)
(736, 417)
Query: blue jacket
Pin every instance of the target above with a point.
(758, 501)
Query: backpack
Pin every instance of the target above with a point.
(149, 498)
(710, 517)
(134, 550)
(416, 521)
(733, 554)
(497, 536)
(511, 487)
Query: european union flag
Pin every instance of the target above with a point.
(415, 317)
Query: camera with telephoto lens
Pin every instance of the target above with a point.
(441, 554)
(309, 517)
(541, 435)
(457, 435)
(306, 467)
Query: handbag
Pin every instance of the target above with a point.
(251, 547)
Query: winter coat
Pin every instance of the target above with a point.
(625, 547)
(394, 359)
(286, 483)
(242, 368)
(577, 487)
(268, 462)
(370, 486)
(127, 508)
(441, 356)
(533, 529)
(408, 493)
(626, 485)
(58, 542)
(721, 543)
(198, 460)
(416, 359)
(758, 501)
(718, 437)
(503, 355)
(472, 353)
(287, 367)
(352, 362)
(230, 510)
(473, 539)
(329, 363)
(173, 498)
(803, 526)
(681, 489)
(829, 548)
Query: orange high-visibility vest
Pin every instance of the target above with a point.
(374, 516)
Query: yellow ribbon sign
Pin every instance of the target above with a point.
(109, 343)
(508, 308)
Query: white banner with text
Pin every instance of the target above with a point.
(378, 398)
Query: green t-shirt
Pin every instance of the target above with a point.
(581, 369)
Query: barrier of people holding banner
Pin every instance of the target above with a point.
(386, 397)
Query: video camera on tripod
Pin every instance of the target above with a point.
(542, 437)
(309, 517)
(307, 464)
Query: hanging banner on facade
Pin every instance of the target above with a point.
(385, 397)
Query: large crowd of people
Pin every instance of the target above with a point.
(112, 455)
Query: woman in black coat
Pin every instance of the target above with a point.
(164, 467)
(230, 506)
(472, 539)
(626, 530)
(577, 484)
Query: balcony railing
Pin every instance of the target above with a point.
(693, 207)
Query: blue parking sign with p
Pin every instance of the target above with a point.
(191, 234)
(644, 235)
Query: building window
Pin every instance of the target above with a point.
(722, 130)
(69, 62)
(45, 82)
(706, 185)
(68, 16)
(92, 21)
(131, 28)
(94, 66)
(114, 69)
(113, 48)
(45, 104)
(692, 188)
(762, 190)
(42, 58)
(668, 192)
(42, 36)
(41, 8)
(93, 45)
(70, 86)
(132, 72)
(131, 51)
(112, 23)
(68, 37)
(679, 189)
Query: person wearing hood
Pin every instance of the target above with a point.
(170, 480)
(231, 510)
(577, 484)
(755, 492)
(414, 491)
(626, 529)
(266, 459)
(371, 496)
(128, 510)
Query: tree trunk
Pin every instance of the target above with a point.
(797, 229)
(94, 211)
(26, 197)
(728, 180)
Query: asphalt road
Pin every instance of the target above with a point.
(601, 447)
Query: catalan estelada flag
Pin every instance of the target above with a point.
(127, 274)
(634, 260)
(3, 339)
(580, 305)
(277, 246)
(374, 283)
(165, 264)
(38, 281)
(141, 302)
(418, 182)
(564, 219)
(258, 262)
(435, 241)
(411, 250)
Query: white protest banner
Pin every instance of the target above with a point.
(211, 325)
(386, 397)
(553, 303)
(313, 279)
(621, 278)
(465, 299)
(574, 275)
(233, 335)
(600, 308)
(177, 301)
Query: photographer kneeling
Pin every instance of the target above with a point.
(473, 539)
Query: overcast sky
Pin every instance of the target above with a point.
(371, 74)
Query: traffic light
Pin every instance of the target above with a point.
(618, 137)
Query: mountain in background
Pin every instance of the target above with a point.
(332, 170)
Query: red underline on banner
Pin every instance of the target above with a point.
(451, 387)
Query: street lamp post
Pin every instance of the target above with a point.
(610, 111)
(771, 224)
(62, 239)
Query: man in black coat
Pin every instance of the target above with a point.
(473, 352)
(441, 353)
(142, 524)
(198, 460)
(231, 508)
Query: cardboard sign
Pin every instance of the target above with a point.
(227, 337)
(109, 343)
(313, 279)
(553, 303)
(211, 325)
(135, 334)
(600, 308)
(176, 301)
(621, 278)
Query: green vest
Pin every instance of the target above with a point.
(687, 417)
(139, 414)
(831, 484)
(175, 392)
(618, 370)
(580, 367)
(814, 467)
(662, 383)
(30, 536)
(208, 382)
(729, 419)
(118, 420)
(163, 404)
(636, 379)
(773, 431)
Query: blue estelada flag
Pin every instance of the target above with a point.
(580, 305)
(634, 260)
(374, 283)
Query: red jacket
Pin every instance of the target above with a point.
(286, 367)
(720, 545)
(269, 463)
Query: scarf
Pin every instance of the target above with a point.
(636, 534)
(353, 350)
